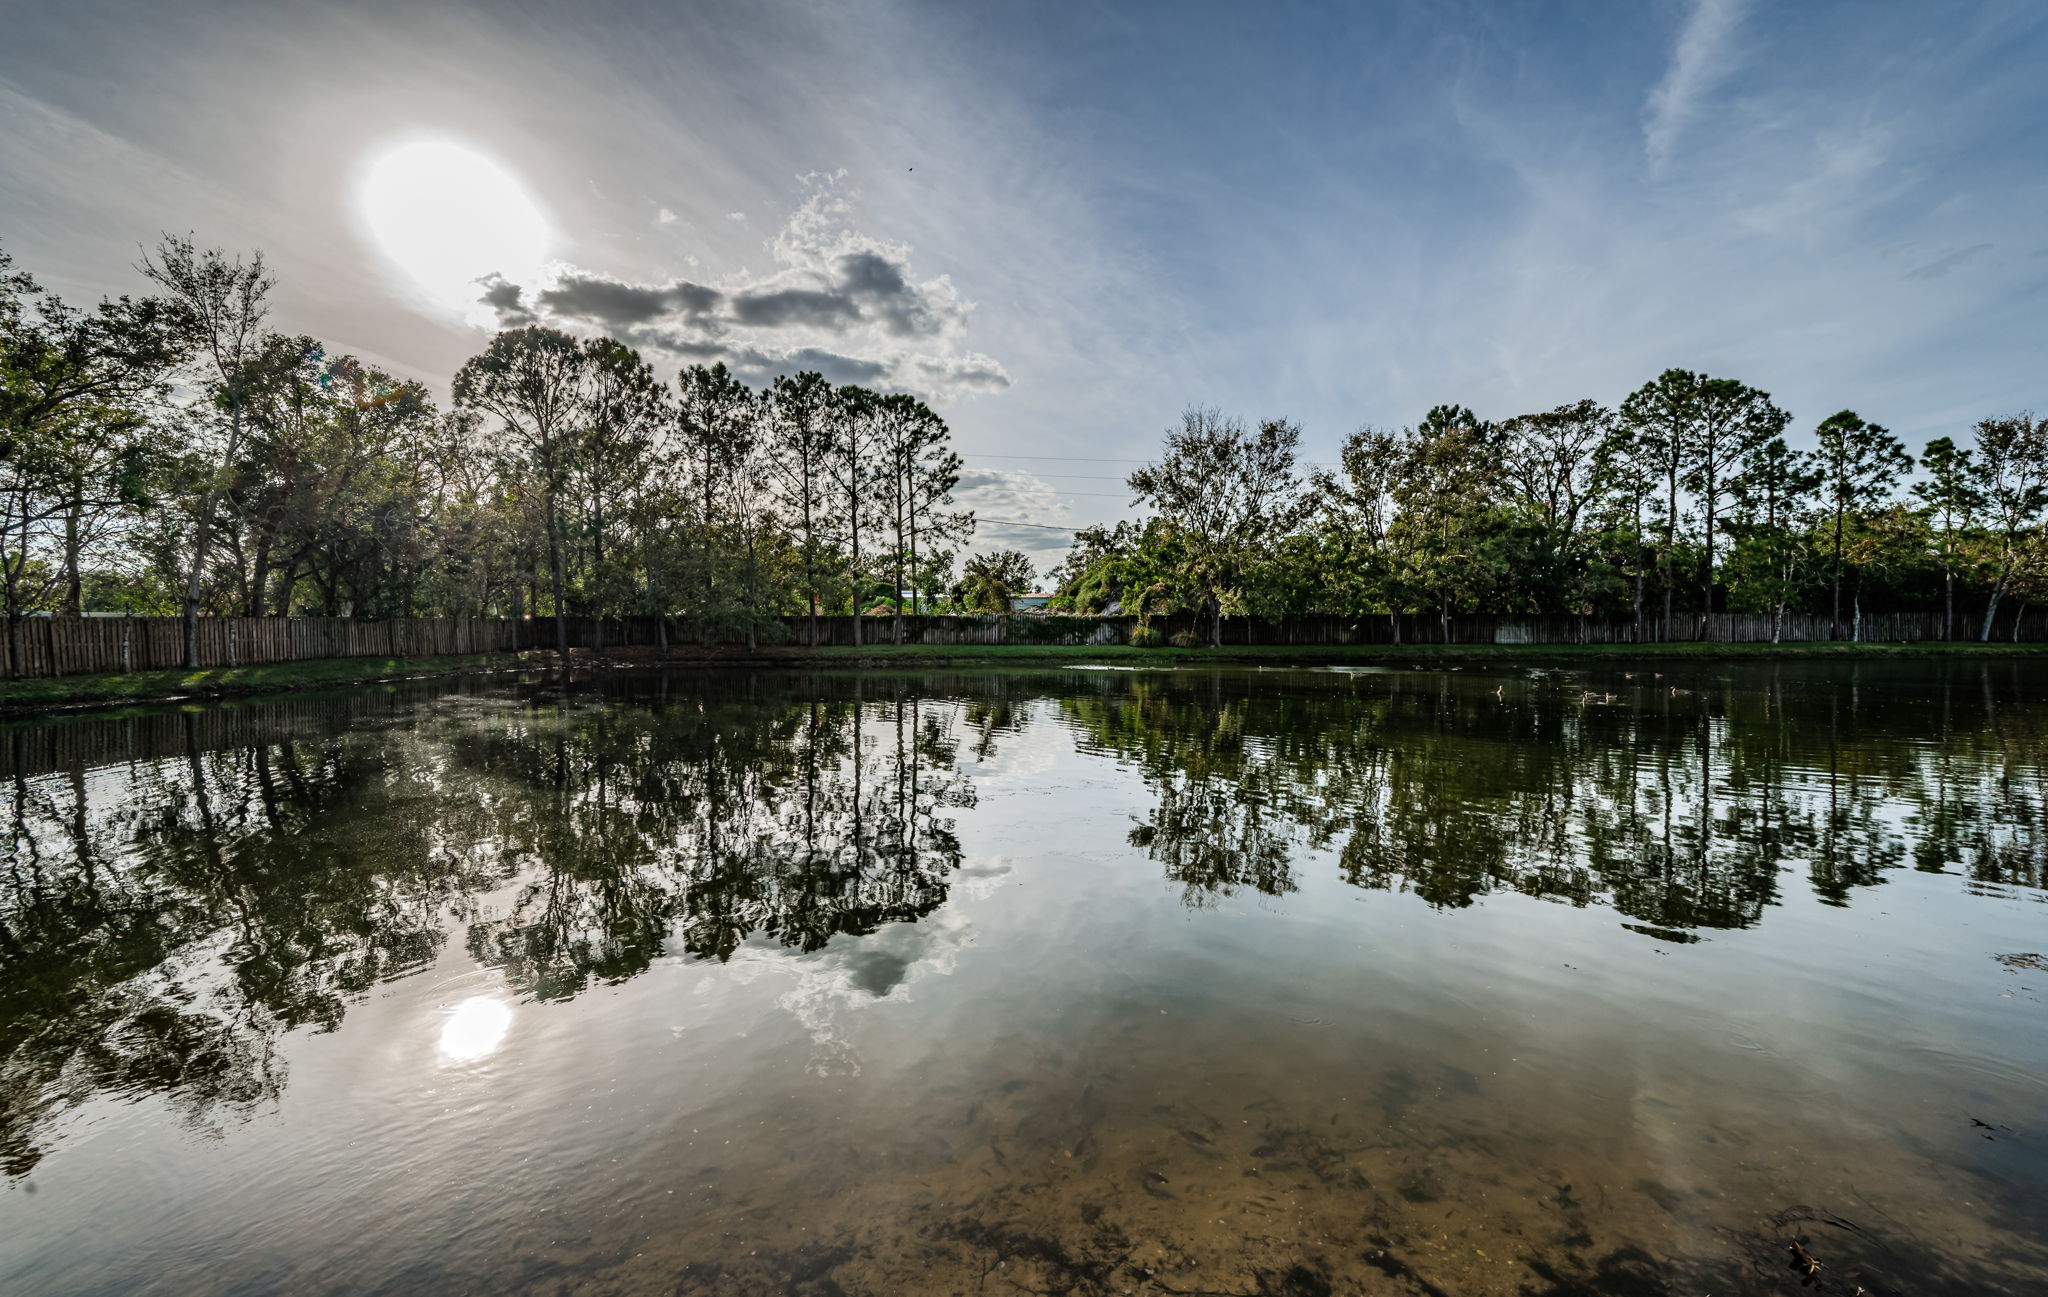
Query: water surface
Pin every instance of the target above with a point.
(1231, 982)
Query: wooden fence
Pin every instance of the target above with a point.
(62, 646)
(51, 646)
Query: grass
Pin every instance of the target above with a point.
(224, 682)
(1406, 654)
(19, 697)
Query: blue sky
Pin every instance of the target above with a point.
(1097, 214)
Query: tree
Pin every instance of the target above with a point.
(1950, 497)
(856, 423)
(330, 487)
(1732, 423)
(217, 306)
(1624, 489)
(1361, 507)
(83, 430)
(720, 426)
(1450, 530)
(625, 411)
(801, 425)
(917, 477)
(1228, 491)
(1773, 508)
(1859, 463)
(1661, 418)
(992, 582)
(1553, 473)
(2012, 477)
(534, 382)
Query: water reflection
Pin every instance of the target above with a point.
(475, 1029)
(164, 921)
(182, 890)
(1681, 806)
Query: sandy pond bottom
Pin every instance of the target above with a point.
(1179, 982)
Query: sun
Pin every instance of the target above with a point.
(446, 216)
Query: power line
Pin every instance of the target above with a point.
(1078, 459)
(1009, 522)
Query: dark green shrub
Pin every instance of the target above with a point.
(1145, 637)
(1186, 639)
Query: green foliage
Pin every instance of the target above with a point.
(1146, 637)
(991, 582)
(173, 451)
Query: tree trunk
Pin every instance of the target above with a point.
(555, 577)
(1991, 608)
(74, 593)
(1835, 612)
(200, 541)
(1948, 610)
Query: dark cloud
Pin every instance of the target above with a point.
(972, 373)
(881, 286)
(863, 288)
(506, 299)
(781, 308)
(616, 304)
(759, 364)
(839, 303)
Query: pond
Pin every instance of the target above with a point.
(1529, 981)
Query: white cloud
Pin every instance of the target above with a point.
(1700, 59)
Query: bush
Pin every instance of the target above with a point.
(1186, 639)
(1145, 637)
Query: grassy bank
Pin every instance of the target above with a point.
(22, 697)
(1391, 655)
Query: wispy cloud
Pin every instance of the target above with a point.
(1700, 60)
(1940, 267)
(1007, 503)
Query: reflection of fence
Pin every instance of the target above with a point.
(52, 646)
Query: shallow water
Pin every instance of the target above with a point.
(1232, 982)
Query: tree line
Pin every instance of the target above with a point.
(170, 452)
(1685, 500)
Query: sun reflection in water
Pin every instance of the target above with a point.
(475, 1029)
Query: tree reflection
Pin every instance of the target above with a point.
(175, 899)
(1678, 802)
(162, 922)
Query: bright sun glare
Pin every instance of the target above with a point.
(447, 216)
(475, 1029)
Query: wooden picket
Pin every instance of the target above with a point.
(53, 646)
